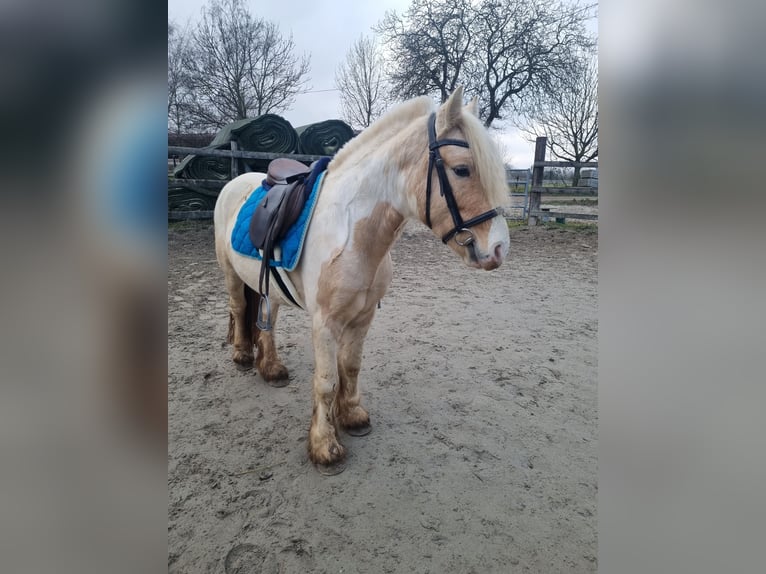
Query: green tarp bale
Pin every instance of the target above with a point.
(185, 197)
(266, 133)
(323, 138)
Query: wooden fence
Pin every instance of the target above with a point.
(537, 190)
(216, 184)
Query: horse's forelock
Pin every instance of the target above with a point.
(486, 157)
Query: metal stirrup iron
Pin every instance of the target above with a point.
(263, 325)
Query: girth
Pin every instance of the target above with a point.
(435, 160)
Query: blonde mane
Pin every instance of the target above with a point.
(394, 122)
(388, 125)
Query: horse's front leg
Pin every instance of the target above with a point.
(324, 447)
(351, 415)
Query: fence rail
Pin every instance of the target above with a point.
(235, 153)
(561, 215)
(591, 191)
(543, 163)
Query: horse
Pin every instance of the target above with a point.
(433, 163)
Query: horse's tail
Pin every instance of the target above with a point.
(252, 299)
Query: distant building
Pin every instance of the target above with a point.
(588, 177)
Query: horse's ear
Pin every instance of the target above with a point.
(473, 106)
(449, 112)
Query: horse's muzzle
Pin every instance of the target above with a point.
(495, 257)
(491, 260)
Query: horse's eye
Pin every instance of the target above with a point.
(461, 171)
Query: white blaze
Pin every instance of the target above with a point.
(498, 233)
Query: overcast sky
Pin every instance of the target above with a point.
(326, 30)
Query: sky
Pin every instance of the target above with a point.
(340, 23)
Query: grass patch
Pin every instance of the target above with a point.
(570, 226)
(586, 228)
(574, 201)
(580, 227)
(587, 202)
(516, 223)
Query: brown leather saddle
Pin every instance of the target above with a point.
(275, 214)
(283, 202)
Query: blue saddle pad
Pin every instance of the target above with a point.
(291, 245)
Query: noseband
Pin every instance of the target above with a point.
(435, 160)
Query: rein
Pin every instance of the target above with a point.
(435, 160)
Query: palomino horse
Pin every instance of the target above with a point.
(436, 165)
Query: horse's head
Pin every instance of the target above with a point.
(465, 185)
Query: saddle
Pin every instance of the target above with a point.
(285, 170)
(283, 202)
(280, 208)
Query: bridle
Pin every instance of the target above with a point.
(435, 160)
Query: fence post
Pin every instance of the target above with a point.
(537, 180)
(234, 170)
(527, 181)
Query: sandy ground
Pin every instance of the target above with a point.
(482, 393)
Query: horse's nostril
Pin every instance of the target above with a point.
(498, 252)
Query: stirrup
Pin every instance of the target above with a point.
(263, 325)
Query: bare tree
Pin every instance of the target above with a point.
(275, 72)
(498, 49)
(520, 45)
(241, 66)
(221, 44)
(429, 46)
(179, 96)
(566, 112)
(360, 81)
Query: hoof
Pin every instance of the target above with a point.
(277, 383)
(355, 418)
(328, 454)
(330, 469)
(243, 362)
(362, 430)
(273, 373)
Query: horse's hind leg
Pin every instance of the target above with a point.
(268, 363)
(240, 326)
(350, 413)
